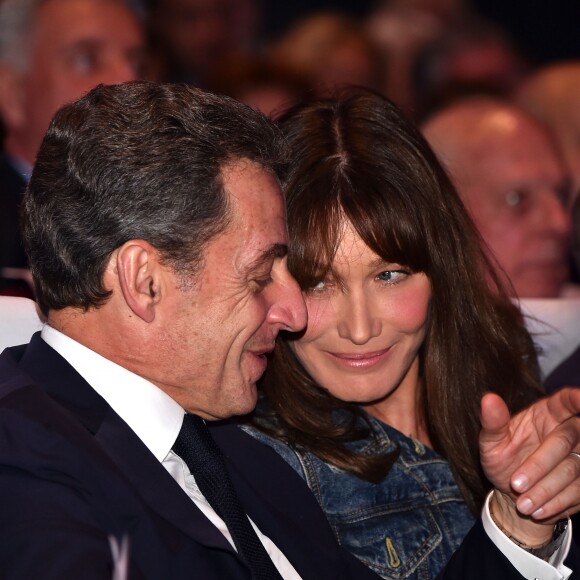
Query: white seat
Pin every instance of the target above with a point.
(19, 320)
(555, 327)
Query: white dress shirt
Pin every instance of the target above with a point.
(155, 418)
(528, 566)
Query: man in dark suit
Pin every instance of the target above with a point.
(13, 262)
(567, 373)
(51, 52)
(155, 228)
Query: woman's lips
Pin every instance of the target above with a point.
(356, 360)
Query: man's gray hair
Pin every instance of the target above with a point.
(16, 23)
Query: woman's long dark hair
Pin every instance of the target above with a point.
(357, 158)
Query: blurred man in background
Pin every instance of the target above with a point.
(511, 179)
(552, 95)
(51, 53)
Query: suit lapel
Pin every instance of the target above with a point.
(134, 461)
(155, 485)
(272, 494)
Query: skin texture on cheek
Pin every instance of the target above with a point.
(219, 329)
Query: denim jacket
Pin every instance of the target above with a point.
(406, 526)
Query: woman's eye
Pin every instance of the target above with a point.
(320, 287)
(392, 276)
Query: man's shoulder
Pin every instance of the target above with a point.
(566, 374)
(45, 447)
(12, 186)
(12, 378)
(9, 173)
(34, 423)
(26, 408)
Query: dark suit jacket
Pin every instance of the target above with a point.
(11, 189)
(73, 474)
(566, 374)
(11, 248)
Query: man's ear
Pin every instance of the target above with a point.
(11, 98)
(140, 274)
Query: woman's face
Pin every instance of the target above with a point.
(366, 326)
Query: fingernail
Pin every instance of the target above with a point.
(520, 482)
(538, 513)
(525, 506)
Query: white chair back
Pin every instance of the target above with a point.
(555, 327)
(19, 320)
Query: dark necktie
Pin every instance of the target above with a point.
(196, 447)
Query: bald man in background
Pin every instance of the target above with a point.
(51, 53)
(512, 180)
(552, 94)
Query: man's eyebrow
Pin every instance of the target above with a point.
(274, 251)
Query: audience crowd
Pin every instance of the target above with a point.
(495, 127)
(425, 55)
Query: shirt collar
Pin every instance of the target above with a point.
(150, 412)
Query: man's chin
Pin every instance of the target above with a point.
(243, 403)
(246, 403)
(540, 290)
(542, 284)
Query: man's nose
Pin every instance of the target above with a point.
(288, 309)
(555, 215)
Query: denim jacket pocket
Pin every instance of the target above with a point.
(381, 540)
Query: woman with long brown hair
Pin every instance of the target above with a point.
(377, 403)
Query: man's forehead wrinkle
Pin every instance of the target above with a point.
(276, 250)
(473, 128)
(512, 160)
(486, 140)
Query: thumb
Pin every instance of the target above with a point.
(495, 418)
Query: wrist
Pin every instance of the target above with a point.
(539, 539)
(521, 529)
